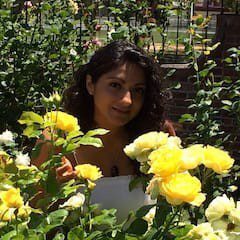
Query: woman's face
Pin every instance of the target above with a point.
(118, 95)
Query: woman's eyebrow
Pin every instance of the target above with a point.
(117, 78)
(142, 84)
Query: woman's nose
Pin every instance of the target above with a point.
(127, 98)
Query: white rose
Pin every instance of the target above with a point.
(75, 201)
(22, 159)
(6, 137)
(150, 215)
(143, 157)
(220, 225)
(73, 52)
(130, 151)
(201, 230)
(219, 207)
(212, 236)
(234, 216)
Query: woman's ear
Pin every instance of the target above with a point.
(89, 84)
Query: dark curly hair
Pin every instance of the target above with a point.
(78, 102)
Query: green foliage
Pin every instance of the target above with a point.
(208, 102)
(43, 45)
(211, 98)
(39, 50)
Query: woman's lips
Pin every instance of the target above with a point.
(120, 110)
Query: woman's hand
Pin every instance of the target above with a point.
(65, 172)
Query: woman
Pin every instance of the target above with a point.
(119, 90)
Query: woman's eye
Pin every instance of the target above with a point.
(115, 85)
(139, 90)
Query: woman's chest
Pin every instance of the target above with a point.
(112, 162)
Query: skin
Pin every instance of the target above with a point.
(118, 97)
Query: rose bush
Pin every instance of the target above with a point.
(174, 175)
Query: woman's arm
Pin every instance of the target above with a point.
(65, 172)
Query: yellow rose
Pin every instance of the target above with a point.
(150, 140)
(174, 141)
(192, 157)
(24, 211)
(88, 171)
(6, 214)
(165, 162)
(182, 187)
(217, 159)
(62, 120)
(131, 151)
(12, 198)
(219, 207)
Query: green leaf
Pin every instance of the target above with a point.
(32, 131)
(68, 188)
(162, 211)
(227, 102)
(181, 232)
(171, 72)
(177, 85)
(93, 235)
(107, 217)
(70, 147)
(195, 66)
(99, 131)
(54, 219)
(52, 186)
(74, 134)
(9, 235)
(186, 118)
(199, 20)
(46, 6)
(30, 118)
(96, 142)
(141, 212)
(138, 227)
(204, 73)
(228, 60)
(60, 141)
(216, 45)
(59, 236)
(76, 233)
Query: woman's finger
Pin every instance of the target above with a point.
(66, 177)
(61, 170)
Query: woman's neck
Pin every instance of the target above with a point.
(119, 135)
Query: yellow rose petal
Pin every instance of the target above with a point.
(62, 120)
(88, 171)
(165, 162)
(217, 159)
(12, 198)
(181, 187)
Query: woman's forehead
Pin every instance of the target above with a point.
(128, 70)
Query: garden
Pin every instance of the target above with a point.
(192, 178)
